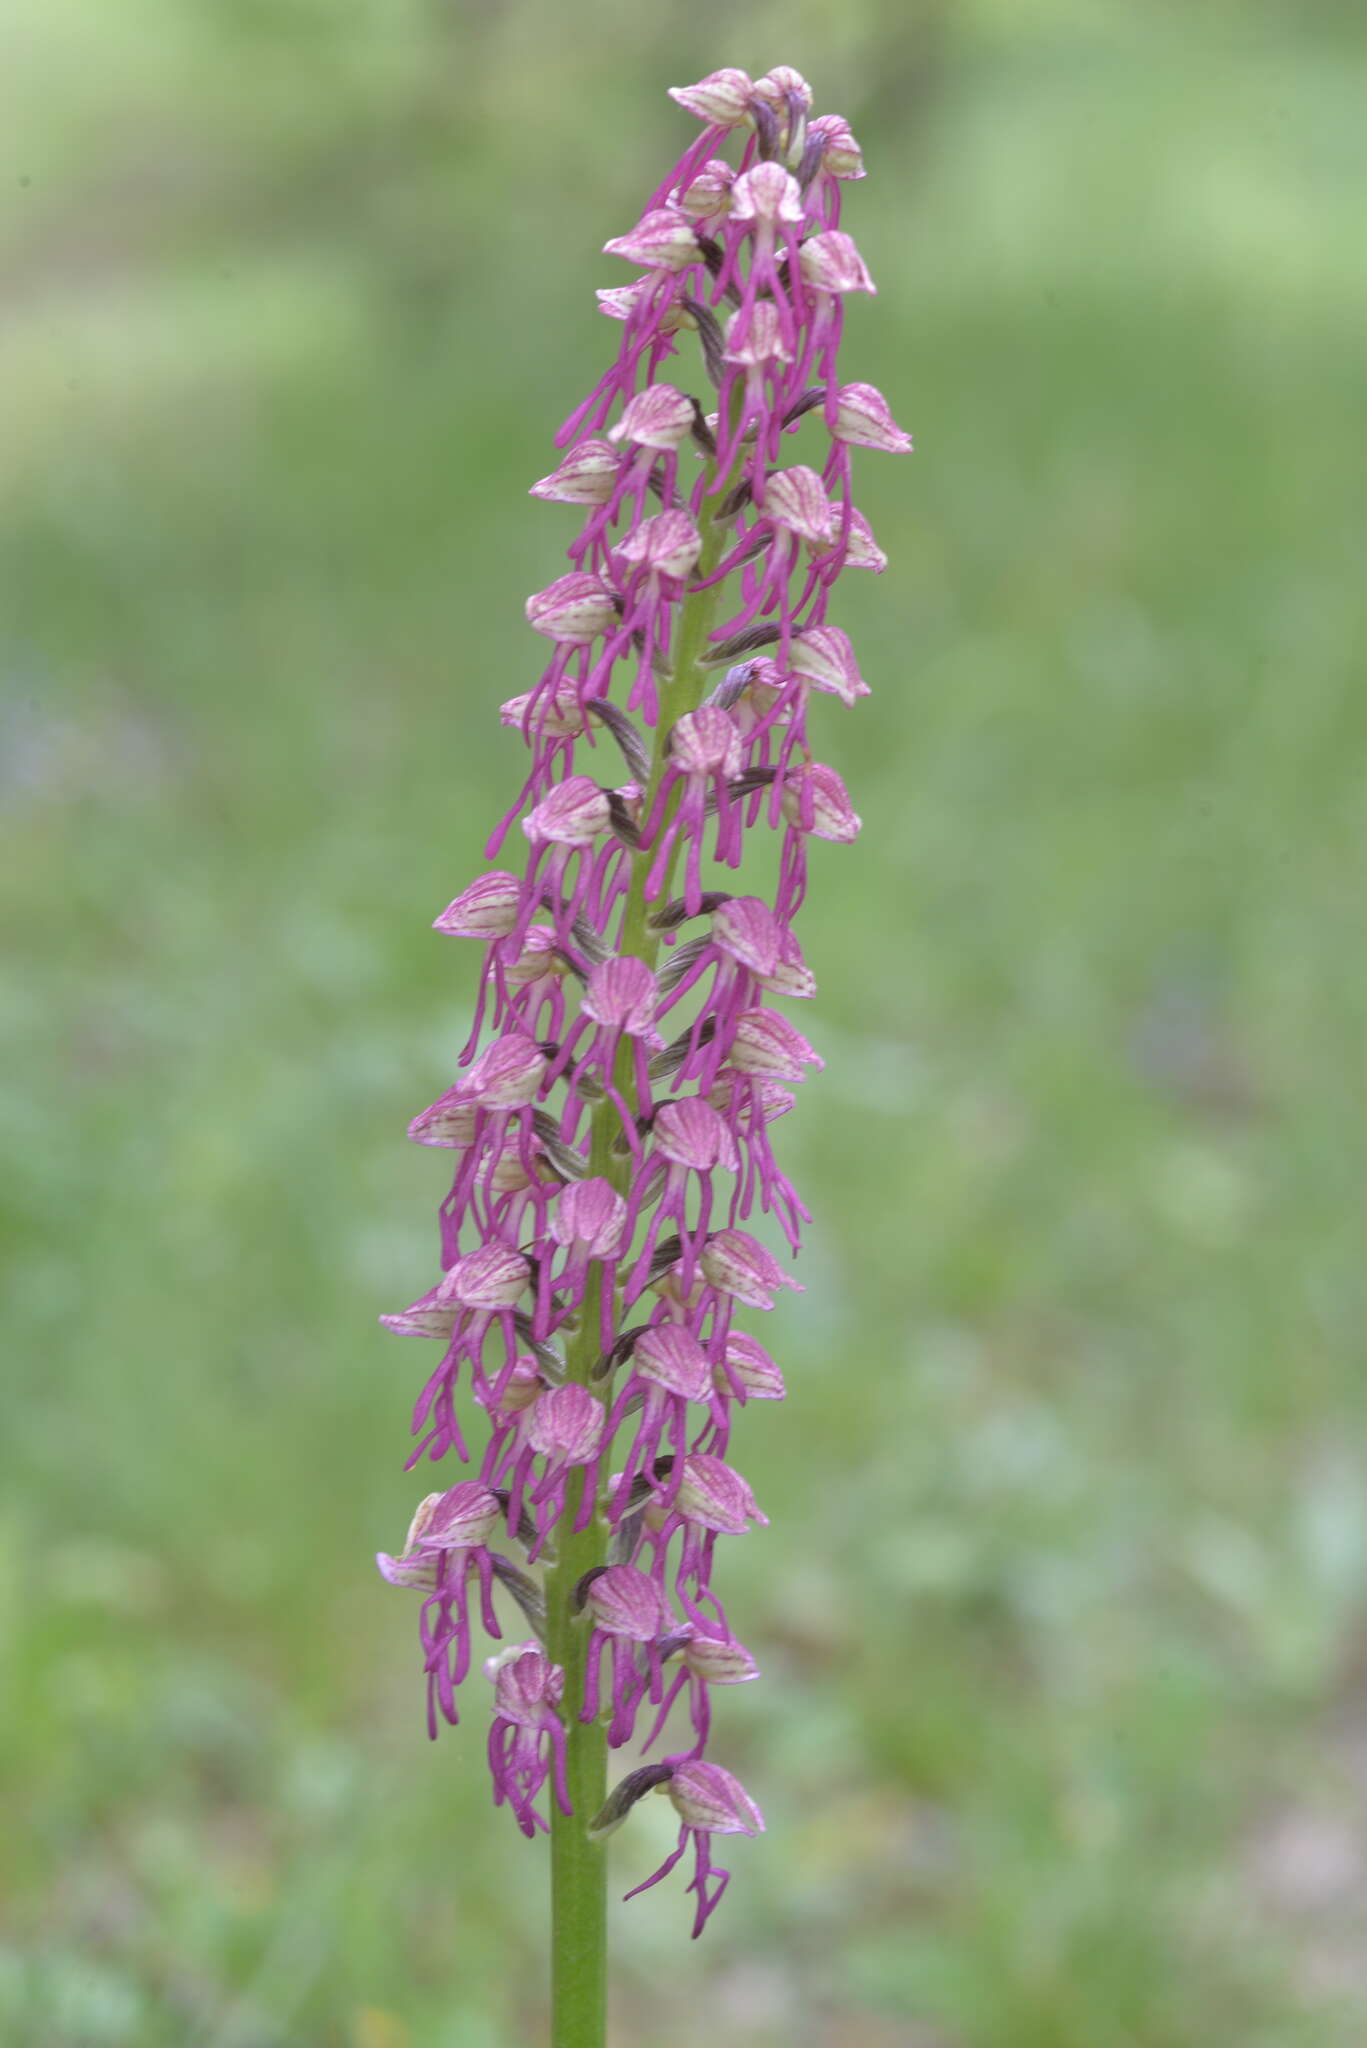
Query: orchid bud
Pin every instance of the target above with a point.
(781, 86)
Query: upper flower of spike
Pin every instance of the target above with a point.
(722, 99)
(783, 87)
(841, 156)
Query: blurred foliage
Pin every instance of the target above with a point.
(1063, 1742)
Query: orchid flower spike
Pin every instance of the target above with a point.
(617, 1208)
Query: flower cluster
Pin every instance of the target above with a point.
(610, 1123)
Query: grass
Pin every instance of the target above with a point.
(1061, 1609)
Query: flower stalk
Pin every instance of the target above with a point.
(610, 1116)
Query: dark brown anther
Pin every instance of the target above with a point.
(624, 732)
(667, 1253)
(524, 1590)
(621, 820)
(620, 1352)
(580, 1592)
(714, 256)
(747, 642)
(547, 1357)
(675, 913)
(681, 960)
(624, 1796)
(702, 433)
(526, 1527)
(751, 780)
(811, 397)
(710, 335)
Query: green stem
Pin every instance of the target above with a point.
(578, 1865)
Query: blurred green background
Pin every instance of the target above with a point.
(1063, 1742)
